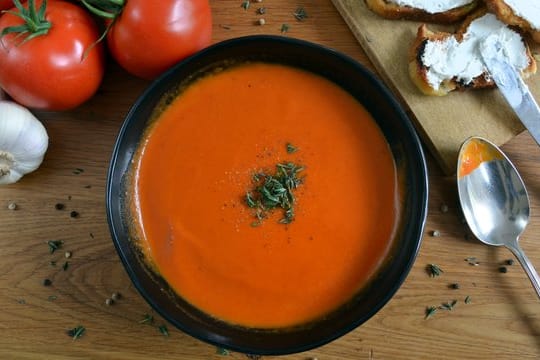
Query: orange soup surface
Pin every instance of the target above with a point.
(197, 162)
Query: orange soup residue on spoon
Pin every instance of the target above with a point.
(196, 164)
(475, 153)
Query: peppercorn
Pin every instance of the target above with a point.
(503, 269)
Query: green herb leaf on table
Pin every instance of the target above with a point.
(434, 270)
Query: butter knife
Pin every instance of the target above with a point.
(512, 86)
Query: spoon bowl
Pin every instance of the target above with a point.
(494, 199)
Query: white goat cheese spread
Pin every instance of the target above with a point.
(450, 58)
(526, 9)
(432, 7)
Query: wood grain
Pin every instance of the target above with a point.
(501, 322)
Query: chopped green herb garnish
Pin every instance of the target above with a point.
(245, 4)
(433, 270)
(284, 28)
(52, 297)
(147, 319)
(275, 191)
(249, 200)
(163, 330)
(467, 299)
(291, 149)
(222, 351)
(300, 14)
(65, 266)
(430, 311)
(76, 332)
(54, 245)
(448, 305)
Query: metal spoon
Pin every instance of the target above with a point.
(494, 199)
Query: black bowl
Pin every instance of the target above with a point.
(412, 173)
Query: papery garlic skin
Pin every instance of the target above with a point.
(23, 142)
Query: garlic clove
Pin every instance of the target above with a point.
(23, 142)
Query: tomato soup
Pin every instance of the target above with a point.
(197, 162)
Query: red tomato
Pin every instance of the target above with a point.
(6, 4)
(148, 37)
(52, 71)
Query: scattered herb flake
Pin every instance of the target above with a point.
(245, 4)
(52, 263)
(467, 299)
(54, 245)
(226, 27)
(503, 269)
(163, 330)
(454, 286)
(78, 171)
(472, 261)
(47, 282)
(74, 214)
(448, 305)
(65, 266)
(284, 28)
(261, 11)
(300, 14)
(434, 270)
(59, 206)
(222, 351)
(76, 332)
(430, 311)
(147, 319)
(52, 297)
(21, 301)
(291, 149)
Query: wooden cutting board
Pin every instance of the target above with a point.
(443, 122)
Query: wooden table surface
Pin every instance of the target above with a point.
(502, 320)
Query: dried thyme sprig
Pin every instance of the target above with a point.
(273, 191)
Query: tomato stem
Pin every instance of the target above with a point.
(34, 24)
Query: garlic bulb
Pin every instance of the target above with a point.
(23, 142)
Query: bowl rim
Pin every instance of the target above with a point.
(422, 185)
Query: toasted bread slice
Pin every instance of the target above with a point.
(506, 14)
(459, 48)
(392, 10)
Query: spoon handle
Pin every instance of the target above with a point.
(527, 266)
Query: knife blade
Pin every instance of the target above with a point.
(512, 86)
